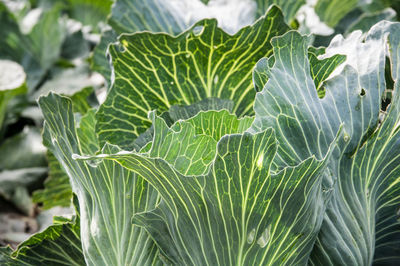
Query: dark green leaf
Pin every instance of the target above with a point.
(156, 71)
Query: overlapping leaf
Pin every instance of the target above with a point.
(320, 69)
(156, 71)
(194, 140)
(229, 209)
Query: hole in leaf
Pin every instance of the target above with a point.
(27, 228)
(362, 93)
(321, 92)
(388, 93)
(198, 30)
(122, 46)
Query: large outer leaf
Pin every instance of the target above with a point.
(239, 212)
(108, 194)
(385, 150)
(175, 16)
(57, 189)
(289, 101)
(371, 178)
(158, 70)
(366, 181)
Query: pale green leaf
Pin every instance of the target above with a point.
(57, 189)
(108, 194)
(363, 171)
(183, 112)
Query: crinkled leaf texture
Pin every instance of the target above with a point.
(360, 225)
(221, 203)
(156, 71)
(129, 16)
(176, 16)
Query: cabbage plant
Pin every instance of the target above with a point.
(201, 156)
